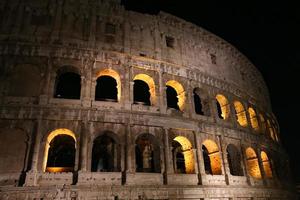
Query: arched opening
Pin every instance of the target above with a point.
(252, 163)
(172, 100)
(183, 156)
(211, 158)
(106, 89)
(198, 103)
(108, 86)
(175, 95)
(68, 86)
(141, 92)
(147, 154)
(270, 130)
(262, 124)
(253, 119)
(146, 93)
(266, 164)
(240, 114)
(60, 151)
(104, 154)
(222, 107)
(234, 160)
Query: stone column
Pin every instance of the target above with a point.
(37, 142)
(197, 158)
(57, 21)
(43, 98)
(167, 153)
(223, 157)
(83, 144)
(261, 167)
(130, 151)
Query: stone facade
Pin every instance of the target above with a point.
(42, 40)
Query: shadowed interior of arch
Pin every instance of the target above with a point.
(106, 89)
(211, 158)
(68, 86)
(141, 92)
(104, 155)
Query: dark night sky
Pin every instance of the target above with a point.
(267, 33)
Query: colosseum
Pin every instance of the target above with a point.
(99, 102)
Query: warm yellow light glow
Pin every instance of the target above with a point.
(253, 119)
(188, 154)
(252, 163)
(266, 164)
(180, 93)
(214, 156)
(59, 169)
(147, 79)
(270, 129)
(225, 108)
(113, 74)
(51, 136)
(240, 113)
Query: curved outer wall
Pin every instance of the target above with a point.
(41, 40)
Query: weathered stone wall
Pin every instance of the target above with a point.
(40, 39)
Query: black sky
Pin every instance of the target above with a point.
(268, 33)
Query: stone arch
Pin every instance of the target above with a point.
(252, 163)
(106, 153)
(201, 104)
(72, 150)
(180, 94)
(25, 81)
(266, 164)
(110, 75)
(270, 130)
(240, 113)
(234, 160)
(262, 124)
(211, 157)
(147, 151)
(67, 83)
(253, 119)
(183, 155)
(223, 107)
(151, 84)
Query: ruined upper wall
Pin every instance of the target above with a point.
(81, 25)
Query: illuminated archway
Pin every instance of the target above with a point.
(211, 157)
(180, 93)
(223, 107)
(266, 164)
(50, 138)
(150, 82)
(113, 74)
(252, 163)
(240, 113)
(183, 155)
(253, 119)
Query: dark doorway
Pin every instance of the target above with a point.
(141, 92)
(104, 155)
(219, 109)
(234, 161)
(206, 160)
(68, 86)
(106, 89)
(62, 152)
(172, 99)
(198, 104)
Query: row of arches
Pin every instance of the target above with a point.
(257, 121)
(61, 148)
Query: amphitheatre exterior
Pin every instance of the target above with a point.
(97, 102)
